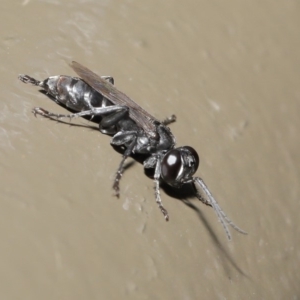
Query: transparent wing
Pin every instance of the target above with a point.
(109, 91)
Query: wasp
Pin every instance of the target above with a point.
(131, 127)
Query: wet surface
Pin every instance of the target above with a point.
(230, 73)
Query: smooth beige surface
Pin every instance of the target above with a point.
(230, 71)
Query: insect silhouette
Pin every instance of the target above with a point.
(131, 127)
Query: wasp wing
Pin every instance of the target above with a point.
(109, 91)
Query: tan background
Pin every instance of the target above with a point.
(230, 71)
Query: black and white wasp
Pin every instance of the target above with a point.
(131, 127)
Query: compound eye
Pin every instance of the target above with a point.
(194, 155)
(171, 166)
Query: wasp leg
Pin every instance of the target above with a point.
(109, 78)
(127, 138)
(27, 79)
(169, 120)
(157, 173)
(95, 111)
(112, 119)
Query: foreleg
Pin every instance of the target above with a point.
(157, 173)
